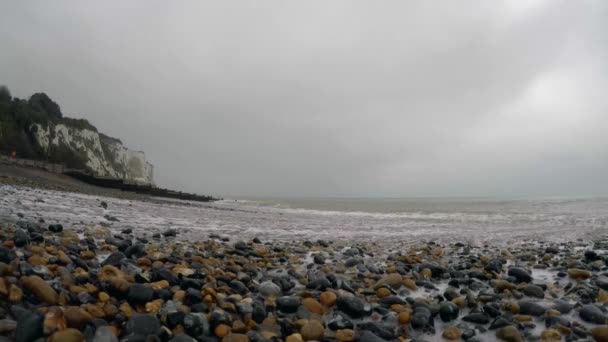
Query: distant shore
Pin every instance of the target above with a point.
(41, 179)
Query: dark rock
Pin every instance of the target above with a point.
(494, 265)
(29, 328)
(182, 338)
(111, 218)
(175, 318)
(562, 306)
(520, 274)
(552, 250)
(241, 245)
(350, 262)
(531, 308)
(170, 233)
(491, 309)
(553, 321)
(591, 255)
(21, 239)
(140, 294)
(602, 282)
(197, 325)
(288, 304)
(193, 296)
(448, 311)
(340, 321)
(382, 330)
(320, 284)
(592, 314)
(351, 305)
(477, 318)
(143, 325)
(534, 291)
(103, 205)
(319, 259)
(238, 287)
(368, 336)
(259, 312)
(114, 259)
(5, 255)
(500, 322)
(218, 317)
(391, 300)
(136, 250)
(56, 228)
(421, 318)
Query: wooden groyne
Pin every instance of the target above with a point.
(137, 188)
(105, 182)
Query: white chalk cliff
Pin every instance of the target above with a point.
(103, 156)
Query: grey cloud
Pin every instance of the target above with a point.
(340, 98)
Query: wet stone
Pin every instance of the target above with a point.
(592, 314)
(477, 318)
(104, 334)
(140, 294)
(448, 311)
(288, 304)
(21, 239)
(520, 274)
(531, 308)
(143, 325)
(55, 228)
(340, 321)
(351, 305)
(114, 259)
(534, 291)
(29, 328)
(269, 289)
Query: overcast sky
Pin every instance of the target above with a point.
(331, 98)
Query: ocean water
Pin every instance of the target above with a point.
(470, 220)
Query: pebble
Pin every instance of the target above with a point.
(592, 314)
(29, 328)
(67, 335)
(328, 299)
(312, 331)
(351, 305)
(107, 284)
(509, 334)
(452, 333)
(520, 274)
(269, 289)
(531, 308)
(600, 334)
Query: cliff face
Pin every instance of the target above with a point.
(37, 129)
(102, 155)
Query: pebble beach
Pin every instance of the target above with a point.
(99, 281)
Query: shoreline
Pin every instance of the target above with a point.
(85, 280)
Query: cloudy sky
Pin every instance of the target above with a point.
(332, 98)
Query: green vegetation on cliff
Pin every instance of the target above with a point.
(19, 121)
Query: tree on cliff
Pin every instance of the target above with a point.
(5, 94)
(42, 102)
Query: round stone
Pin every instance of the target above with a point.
(328, 298)
(312, 331)
(351, 305)
(509, 334)
(269, 289)
(452, 333)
